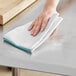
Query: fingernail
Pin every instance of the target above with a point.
(41, 30)
(29, 28)
(31, 32)
(34, 33)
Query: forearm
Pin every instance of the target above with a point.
(50, 5)
(42, 20)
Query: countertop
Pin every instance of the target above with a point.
(56, 55)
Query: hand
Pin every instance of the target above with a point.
(40, 23)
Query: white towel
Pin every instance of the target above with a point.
(20, 37)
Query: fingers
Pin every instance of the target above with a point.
(44, 24)
(35, 30)
(37, 26)
(31, 26)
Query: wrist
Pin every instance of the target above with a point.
(49, 12)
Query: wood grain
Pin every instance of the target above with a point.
(10, 8)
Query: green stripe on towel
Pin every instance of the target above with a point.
(19, 47)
